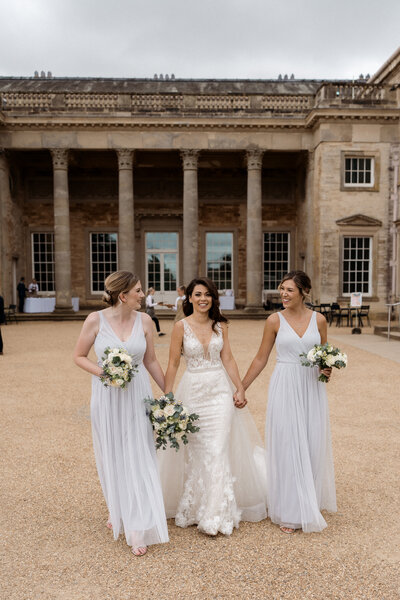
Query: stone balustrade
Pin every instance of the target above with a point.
(356, 93)
(328, 94)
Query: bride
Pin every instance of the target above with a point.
(218, 479)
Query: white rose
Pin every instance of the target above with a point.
(158, 413)
(119, 382)
(169, 410)
(310, 355)
(330, 360)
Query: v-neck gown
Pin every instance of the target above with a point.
(219, 478)
(124, 445)
(300, 474)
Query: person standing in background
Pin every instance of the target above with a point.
(33, 287)
(21, 290)
(150, 304)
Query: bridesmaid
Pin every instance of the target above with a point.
(122, 434)
(300, 474)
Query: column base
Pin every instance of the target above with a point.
(63, 310)
(255, 310)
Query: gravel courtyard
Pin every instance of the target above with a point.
(55, 543)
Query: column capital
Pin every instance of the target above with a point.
(190, 159)
(254, 158)
(125, 158)
(60, 158)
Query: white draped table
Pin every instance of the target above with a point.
(45, 305)
(227, 302)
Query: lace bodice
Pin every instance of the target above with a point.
(196, 356)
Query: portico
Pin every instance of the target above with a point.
(240, 182)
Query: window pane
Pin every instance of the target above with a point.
(356, 265)
(43, 260)
(276, 258)
(358, 171)
(219, 250)
(103, 253)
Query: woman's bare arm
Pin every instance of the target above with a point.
(231, 368)
(268, 340)
(175, 350)
(150, 359)
(323, 332)
(85, 341)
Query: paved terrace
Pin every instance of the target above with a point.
(56, 545)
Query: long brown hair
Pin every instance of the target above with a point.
(214, 313)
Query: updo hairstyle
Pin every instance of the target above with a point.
(214, 313)
(118, 283)
(302, 281)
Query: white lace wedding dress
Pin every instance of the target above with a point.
(219, 478)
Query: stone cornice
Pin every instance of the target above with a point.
(233, 124)
(359, 220)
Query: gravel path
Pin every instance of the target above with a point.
(55, 543)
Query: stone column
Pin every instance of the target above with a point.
(190, 215)
(5, 228)
(62, 248)
(126, 228)
(254, 231)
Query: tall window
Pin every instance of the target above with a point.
(276, 258)
(162, 260)
(219, 253)
(103, 258)
(358, 171)
(43, 261)
(357, 264)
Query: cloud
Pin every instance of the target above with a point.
(207, 39)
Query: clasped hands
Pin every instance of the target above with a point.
(239, 399)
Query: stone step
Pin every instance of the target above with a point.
(382, 331)
(163, 315)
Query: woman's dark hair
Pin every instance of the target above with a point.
(214, 313)
(302, 281)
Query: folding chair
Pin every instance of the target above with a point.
(334, 312)
(363, 312)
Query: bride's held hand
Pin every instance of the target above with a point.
(239, 399)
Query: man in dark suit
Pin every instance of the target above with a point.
(21, 289)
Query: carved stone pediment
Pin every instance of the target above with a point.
(359, 221)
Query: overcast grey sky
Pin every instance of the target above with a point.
(198, 38)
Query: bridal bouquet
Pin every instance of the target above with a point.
(118, 367)
(171, 421)
(324, 356)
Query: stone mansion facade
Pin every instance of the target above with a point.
(240, 180)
